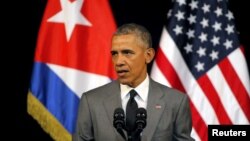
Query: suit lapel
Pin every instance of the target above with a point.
(111, 102)
(155, 107)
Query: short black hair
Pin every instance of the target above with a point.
(139, 30)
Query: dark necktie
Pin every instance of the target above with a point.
(131, 111)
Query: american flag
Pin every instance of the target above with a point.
(200, 54)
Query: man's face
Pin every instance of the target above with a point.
(130, 59)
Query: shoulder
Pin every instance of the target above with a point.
(174, 98)
(168, 91)
(103, 90)
(103, 87)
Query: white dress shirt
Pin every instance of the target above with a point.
(142, 96)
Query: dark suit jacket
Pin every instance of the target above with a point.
(169, 117)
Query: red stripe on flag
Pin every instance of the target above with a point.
(236, 86)
(198, 123)
(214, 99)
(170, 74)
(168, 70)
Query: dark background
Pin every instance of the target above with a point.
(22, 25)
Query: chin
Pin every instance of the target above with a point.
(123, 81)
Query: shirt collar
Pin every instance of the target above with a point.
(141, 89)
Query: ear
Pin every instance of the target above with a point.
(149, 55)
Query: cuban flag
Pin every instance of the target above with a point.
(72, 56)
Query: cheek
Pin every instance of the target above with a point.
(137, 65)
(137, 62)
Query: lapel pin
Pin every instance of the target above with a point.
(157, 106)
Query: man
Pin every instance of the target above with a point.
(168, 112)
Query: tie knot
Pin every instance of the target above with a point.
(132, 93)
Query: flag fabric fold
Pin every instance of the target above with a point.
(200, 54)
(72, 56)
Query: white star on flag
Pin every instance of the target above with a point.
(70, 15)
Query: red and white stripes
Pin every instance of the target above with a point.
(221, 96)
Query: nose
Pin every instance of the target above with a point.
(119, 60)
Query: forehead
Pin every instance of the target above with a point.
(127, 41)
(124, 38)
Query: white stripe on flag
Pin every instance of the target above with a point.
(79, 81)
(195, 135)
(238, 61)
(158, 74)
(189, 82)
(227, 97)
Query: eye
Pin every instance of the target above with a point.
(127, 52)
(113, 53)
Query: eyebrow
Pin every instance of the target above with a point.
(125, 49)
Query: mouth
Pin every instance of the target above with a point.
(121, 72)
